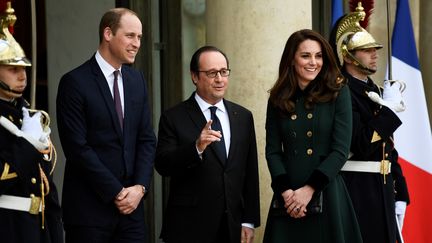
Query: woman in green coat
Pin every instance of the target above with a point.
(308, 127)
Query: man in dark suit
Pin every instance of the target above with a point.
(105, 130)
(207, 148)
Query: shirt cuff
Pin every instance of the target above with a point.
(199, 152)
(248, 225)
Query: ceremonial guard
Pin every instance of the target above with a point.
(29, 207)
(372, 174)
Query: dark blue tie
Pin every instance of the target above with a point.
(216, 125)
(117, 100)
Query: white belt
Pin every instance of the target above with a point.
(367, 166)
(26, 204)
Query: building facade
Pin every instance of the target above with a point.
(252, 33)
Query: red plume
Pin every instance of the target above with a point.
(3, 7)
(368, 6)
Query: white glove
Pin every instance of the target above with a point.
(392, 97)
(392, 92)
(32, 127)
(400, 207)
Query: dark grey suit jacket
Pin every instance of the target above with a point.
(202, 190)
(100, 157)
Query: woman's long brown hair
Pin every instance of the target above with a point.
(323, 88)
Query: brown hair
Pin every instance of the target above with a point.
(323, 88)
(112, 19)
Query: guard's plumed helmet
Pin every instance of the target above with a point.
(350, 36)
(11, 52)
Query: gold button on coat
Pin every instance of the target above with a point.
(309, 115)
(293, 116)
(309, 151)
(309, 133)
(33, 180)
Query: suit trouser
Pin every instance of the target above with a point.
(126, 230)
(223, 232)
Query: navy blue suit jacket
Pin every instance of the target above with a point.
(101, 159)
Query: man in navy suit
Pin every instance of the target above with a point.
(105, 130)
(207, 148)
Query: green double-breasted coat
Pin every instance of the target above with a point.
(311, 143)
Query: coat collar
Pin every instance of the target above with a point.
(359, 86)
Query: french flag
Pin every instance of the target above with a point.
(413, 139)
(337, 11)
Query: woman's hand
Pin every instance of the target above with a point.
(296, 201)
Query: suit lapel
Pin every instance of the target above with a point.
(128, 90)
(195, 113)
(234, 127)
(106, 94)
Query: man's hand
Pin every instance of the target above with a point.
(33, 131)
(129, 198)
(392, 96)
(400, 208)
(207, 137)
(31, 125)
(247, 235)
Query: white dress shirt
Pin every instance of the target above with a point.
(108, 72)
(221, 113)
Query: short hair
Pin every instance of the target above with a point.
(112, 19)
(194, 63)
